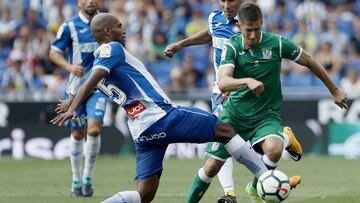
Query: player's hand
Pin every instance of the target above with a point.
(172, 49)
(76, 69)
(340, 99)
(256, 86)
(62, 106)
(61, 118)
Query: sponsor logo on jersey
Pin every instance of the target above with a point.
(135, 109)
(241, 53)
(267, 53)
(145, 138)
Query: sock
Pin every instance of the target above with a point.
(225, 176)
(92, 148)
(199, 186)
(124, 197)
(76, 150)
(243, 153)
(269, 164)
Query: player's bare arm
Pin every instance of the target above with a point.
(80, 97)
(339, 95)
(228, 83)
(199, 38)
(56, 57)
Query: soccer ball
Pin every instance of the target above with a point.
(273, 186)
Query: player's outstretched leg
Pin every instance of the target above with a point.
(76, 152)
(293, 146)
(225, 176)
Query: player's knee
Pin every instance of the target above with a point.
(274, 154)
(93, 131)
(78, 135)
(146, 196)
(224, 132)
(212, 167)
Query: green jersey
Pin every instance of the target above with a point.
(263, 63)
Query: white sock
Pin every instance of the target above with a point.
(225, 176)
(76, 151)
(124, 197)
(270, 164)
(243, 153)
(286, 140)
(92, 148)
(203, 176)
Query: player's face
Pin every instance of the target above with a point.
(90, 7)
(118, 33)
(251, 32)
(230, 7)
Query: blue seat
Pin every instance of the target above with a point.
(299, 80)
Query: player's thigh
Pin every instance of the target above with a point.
(96, 106)
(217, 150)
(269, 128)
(149, 160)
(191, 125)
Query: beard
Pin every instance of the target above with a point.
(91, 11)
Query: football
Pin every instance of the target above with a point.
(273, 186)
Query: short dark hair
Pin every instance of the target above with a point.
(249, 12)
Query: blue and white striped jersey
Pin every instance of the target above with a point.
(220, 29)
(131, 86)
(75, 37)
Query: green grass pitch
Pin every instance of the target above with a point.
(34, 181)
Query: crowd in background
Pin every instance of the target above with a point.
(329, 30)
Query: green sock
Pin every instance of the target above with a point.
(197, 190)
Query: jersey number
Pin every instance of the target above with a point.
(112, 91)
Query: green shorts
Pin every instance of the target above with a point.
(270, 126)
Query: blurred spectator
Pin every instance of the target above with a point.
(13, 79)
(158, 46)
(313, 12)
(331, 61)
(353, 58)
(58, 12)
(338, 38)
(303, 35)
(350, 84)
(197, 23)
(8, 27)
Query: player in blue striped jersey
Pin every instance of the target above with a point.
(154, 121)
(222, 25)
(74, 39)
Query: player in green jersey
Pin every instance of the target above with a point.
(250, 70)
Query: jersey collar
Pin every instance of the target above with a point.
(227, 20)
(83, 18)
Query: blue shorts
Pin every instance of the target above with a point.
(216, 105)
(93, 108)
(182, 124)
